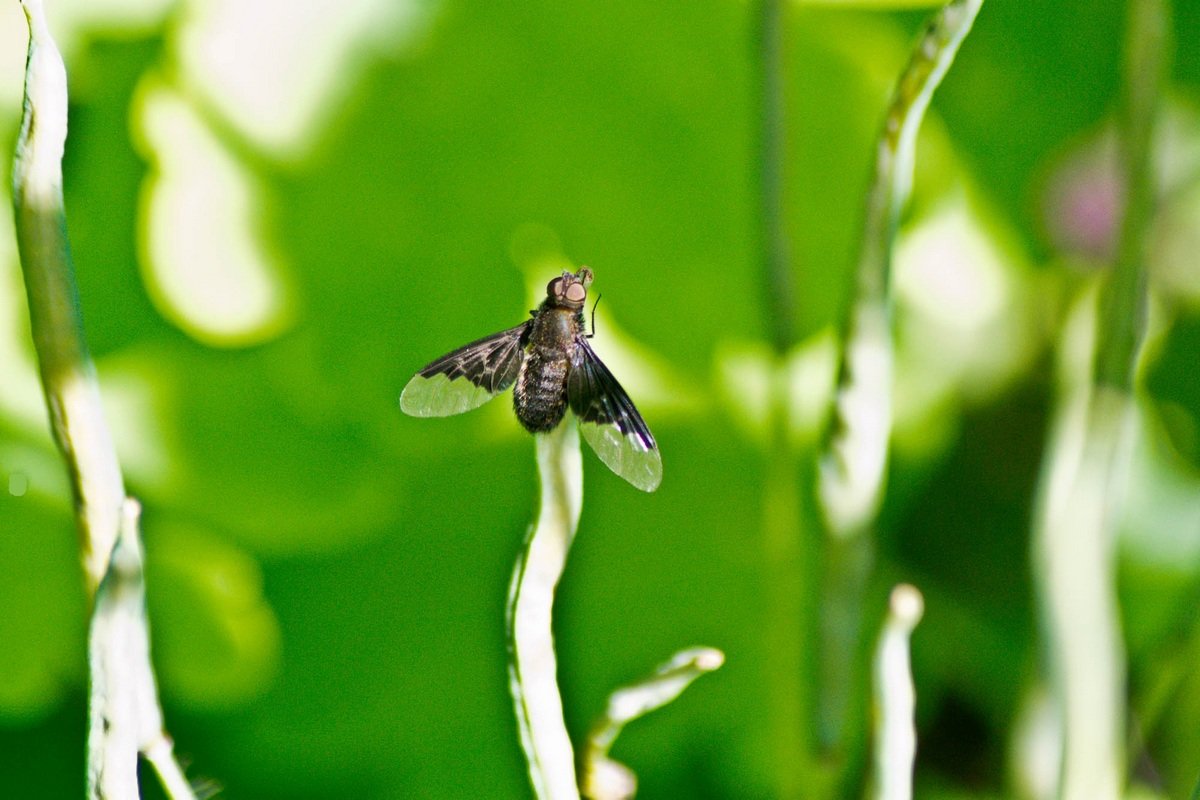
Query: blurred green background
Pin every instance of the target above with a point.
(280, 210)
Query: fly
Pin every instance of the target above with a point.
(552, 367)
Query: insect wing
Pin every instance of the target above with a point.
(609, 422)
(466, 378)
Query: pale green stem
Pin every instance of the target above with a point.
(123, 706)
(124, 715)
(1073, 566)
(68, 377)
(605, 779)
(1083, 475)
(532, 666)
(853, 466)
(895, 697)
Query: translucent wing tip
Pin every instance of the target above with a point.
(625, 454)
(411, 406)
(650, 476)
(439, 396)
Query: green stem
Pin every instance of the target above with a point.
(1075, 579)
(790, 621)
(124, 716)
(606, 779)
(1123, 322)
(532, 666)
(1080, 496)
(854, 463)
(895, 697)
(791, 557)
(68, 377)
(778, 281)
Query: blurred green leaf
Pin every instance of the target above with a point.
(215, 637)
(327, 576)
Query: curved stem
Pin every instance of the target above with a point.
(1074, 569)
(1083, 473)
(606, 779)
(68, 377)
(853, 465)
(532, 665)
(895, 697)
(124, 716)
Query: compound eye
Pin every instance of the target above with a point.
(554, 288)
(576, 293)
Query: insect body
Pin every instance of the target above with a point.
(540, 396)
(553, 366)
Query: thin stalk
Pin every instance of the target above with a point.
(791, 567)
(68, 377)
(853, 470)
(1083, 476)
(777, 271)
(790, 620)
(124, 715)
(1147, 49)
(532, 666)
(853, 466)
(606, 779)
(1073, 567)
(895, 697)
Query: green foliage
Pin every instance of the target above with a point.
(326, 576)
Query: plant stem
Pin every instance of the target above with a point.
(1084, 473)
(68, 377)
(853, 467)
(532, 666)
(124, 716)
(777, 271)
(1147, 49)
(605, 779)
(895, 698)
(791, 568)
(123, 706)
(1073, 567)
(790, 620)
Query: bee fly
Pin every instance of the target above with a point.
(553, 366)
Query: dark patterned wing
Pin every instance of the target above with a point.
(468, 377)
(609, 422)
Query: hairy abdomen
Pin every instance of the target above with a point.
(540, 396)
